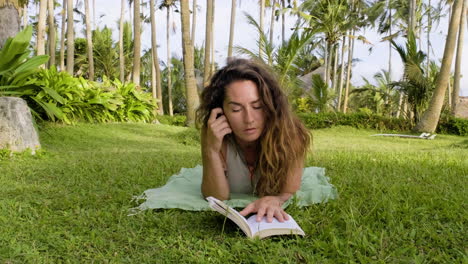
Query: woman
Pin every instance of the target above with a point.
(251, 141)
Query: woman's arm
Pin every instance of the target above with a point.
(214, 182)
(271, 206)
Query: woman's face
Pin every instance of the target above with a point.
(244, 111)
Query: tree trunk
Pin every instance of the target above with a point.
(62, 36)
(325, 58)
(212, 68)
(231, 28)
(428, 122)
(94, 14)
(348, 73)
(190, 82)
(282, 22)
(389, 7)
(25, 16)
(412, 16)
(121, 46)
(272, 26)
(89, 42)
(169, 70)
(52, 37)
(156, 71)
(428, 36)
(340, 90)
(335, 69)
(70, 38)
(461, 36)
(262, 14)
(208, 29)
(10, 23)
(137, 43)
(194, 21)
(41, 27)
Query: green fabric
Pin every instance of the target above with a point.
(183, 191)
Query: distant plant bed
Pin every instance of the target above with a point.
(58, 96)
(175, 120)
(456, 126)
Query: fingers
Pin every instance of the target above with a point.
(260, 213)
(248, 209)
(214, 113)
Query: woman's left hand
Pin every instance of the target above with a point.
(269, 206)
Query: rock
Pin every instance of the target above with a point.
(17, 132)
(462, 108)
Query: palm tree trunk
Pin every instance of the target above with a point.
(169, 70)
(194, 21)
(156, 71)
(272, 25)
(62, 36)
(89, 42)
(461, 36)
(428, 122)
(10, 23)
(212, 69)
(25, 15)
(335, 68)
(389, 7)
(348, 73)
(340, 90)
(41, 27)
(282, 22)
(137, 43)
(231, 28)
(190, 82)
(412, 15)
(208, 29)
(262, 14)
(121, 46)
(325, 57)
(70, 38)
(94, 14)
(428, 36)
(51, 16)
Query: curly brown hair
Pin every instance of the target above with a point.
(284, 140)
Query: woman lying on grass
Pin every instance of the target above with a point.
(251, 141)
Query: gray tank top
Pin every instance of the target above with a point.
(237, 172)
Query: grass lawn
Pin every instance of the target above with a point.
(400, 201)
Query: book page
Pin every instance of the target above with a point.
(275, 224)
(231, 213)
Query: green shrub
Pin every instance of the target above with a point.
(453, 125)
(176, 120)
(447, 125)
(357, 120)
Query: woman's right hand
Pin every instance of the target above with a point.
(216, 129)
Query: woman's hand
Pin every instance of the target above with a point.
(269, 206)
(216, 129)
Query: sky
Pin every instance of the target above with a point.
(108, 13)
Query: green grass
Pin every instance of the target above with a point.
(400, 201)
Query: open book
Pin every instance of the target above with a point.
(251, 227)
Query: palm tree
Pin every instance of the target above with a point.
(70, 38)
(231, 28)
(208, 32)
(9, 18)
(190, 83)
(51, 16)
(415, 83)
(41, 27)
(322, 96)
(62, 36)
(121, 44)
(194, 21)
(168, 4)
(428, 122)
(89, 42)
(262, 14)
(157, 91)
(461, 36)
(137, 42)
